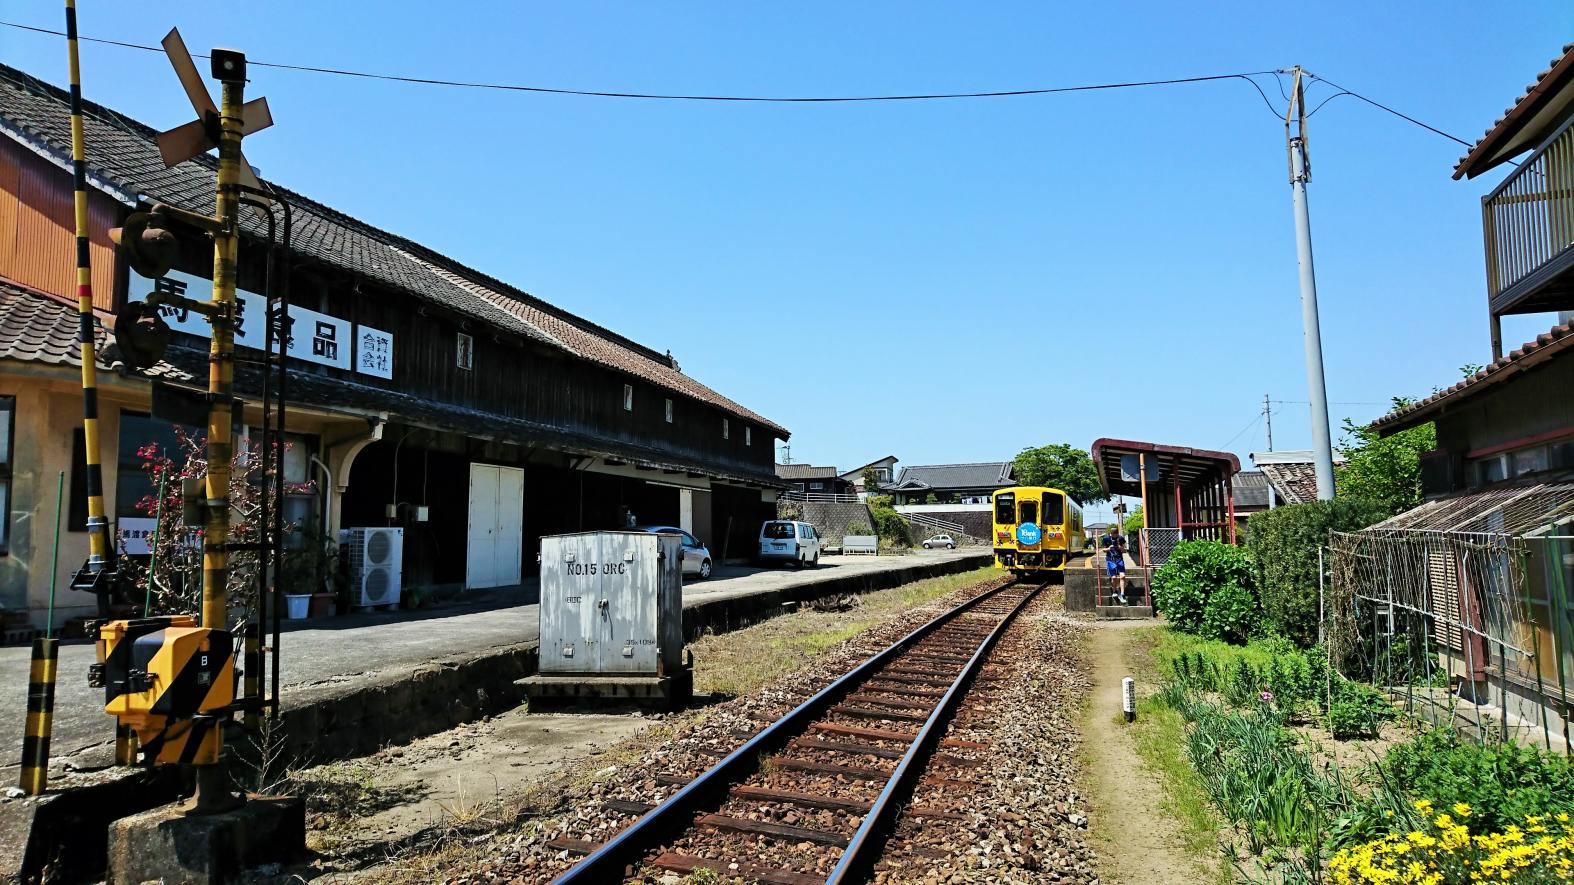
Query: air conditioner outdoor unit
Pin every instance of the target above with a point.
(375, 557)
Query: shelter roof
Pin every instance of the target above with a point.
(1192, 467)
(123, 162)
(1548, 345)
(1533, 117)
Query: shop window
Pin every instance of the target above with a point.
(7, 438)
(726, 429)
(464, 352)
(139, 434)
(669, 411)
(628, 397)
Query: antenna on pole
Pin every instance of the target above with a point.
(1300, 174)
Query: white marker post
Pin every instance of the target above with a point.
(1128, 698)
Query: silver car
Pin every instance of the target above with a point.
(945, 541)
(696, 558)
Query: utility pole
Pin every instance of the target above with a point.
(1300, 174)
(1267, 417)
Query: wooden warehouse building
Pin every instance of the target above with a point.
(423, 393)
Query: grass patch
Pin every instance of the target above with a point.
(1160, 738)
(743, 661)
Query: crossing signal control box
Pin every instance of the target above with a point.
(170, 681)
(611, 618)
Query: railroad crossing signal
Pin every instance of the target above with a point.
(202, 134)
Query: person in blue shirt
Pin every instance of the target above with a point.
(1114, 546)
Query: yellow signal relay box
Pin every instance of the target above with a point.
(170, 681)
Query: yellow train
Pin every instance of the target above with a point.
(1036, 530)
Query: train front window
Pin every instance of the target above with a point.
(1054, 509)
(1029, 511)
(1005, 509)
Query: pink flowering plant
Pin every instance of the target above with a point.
(171, 578)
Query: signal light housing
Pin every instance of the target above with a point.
(141, 334)
(147, 243)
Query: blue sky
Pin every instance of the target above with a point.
(945, 281)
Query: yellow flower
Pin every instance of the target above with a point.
(1461, 809)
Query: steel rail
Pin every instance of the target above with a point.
(868, 843)
(676, 814)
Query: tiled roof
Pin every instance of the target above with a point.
(123, 160)
(42, 329)
(957, 476)
(1292, 474)
(804, 471)
(1250, 489)
(1547, 345)
(1476, 160)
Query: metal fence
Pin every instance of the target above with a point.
(1158, 544)
(1468, 629)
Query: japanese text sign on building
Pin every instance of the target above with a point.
(373, 352)
(313, 337)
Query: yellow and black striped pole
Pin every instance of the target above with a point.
(40, 711)
(97, 525)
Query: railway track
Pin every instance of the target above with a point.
(813, 797)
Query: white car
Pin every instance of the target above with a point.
(945, 541)
(783, 540)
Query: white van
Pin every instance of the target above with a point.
(783, 540)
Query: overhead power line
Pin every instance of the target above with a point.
(598, 93)
(1380, 106)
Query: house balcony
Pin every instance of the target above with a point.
(1528, 223)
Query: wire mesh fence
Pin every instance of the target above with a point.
(1467, 629)
(1158, 544)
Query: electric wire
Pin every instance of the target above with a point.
(1243, 430)
(1380, 106)
(598, 93)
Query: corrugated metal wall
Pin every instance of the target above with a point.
(37, 228)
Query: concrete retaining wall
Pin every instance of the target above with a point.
(830, 518)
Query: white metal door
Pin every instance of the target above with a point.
(480, 546)
(509, 540)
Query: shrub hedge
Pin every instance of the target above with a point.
(1283, 543)
(1197, 572)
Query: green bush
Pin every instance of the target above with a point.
(1231, 614)
(890, 526)
(1502, 783)
(1283, 543)
(1195, 572)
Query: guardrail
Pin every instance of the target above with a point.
(1529, 219)
(817, 497)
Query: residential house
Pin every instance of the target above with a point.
(806, 479)
(1488, 559)
(884, 471)
(950, 497)
(430, 395)
(1252, 493)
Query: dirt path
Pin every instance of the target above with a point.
(1137, 842)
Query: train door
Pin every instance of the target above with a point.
(1027, 516)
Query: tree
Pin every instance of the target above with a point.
(1063, 467)
(1385, 471)
(1133, 523)
(871, 478)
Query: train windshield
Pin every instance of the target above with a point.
(1005, 508)
(1030, 511)
(1054, 509)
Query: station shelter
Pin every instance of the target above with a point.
(1186, 493)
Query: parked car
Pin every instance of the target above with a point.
(696, 557)
(783, 540)
(945, 541)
